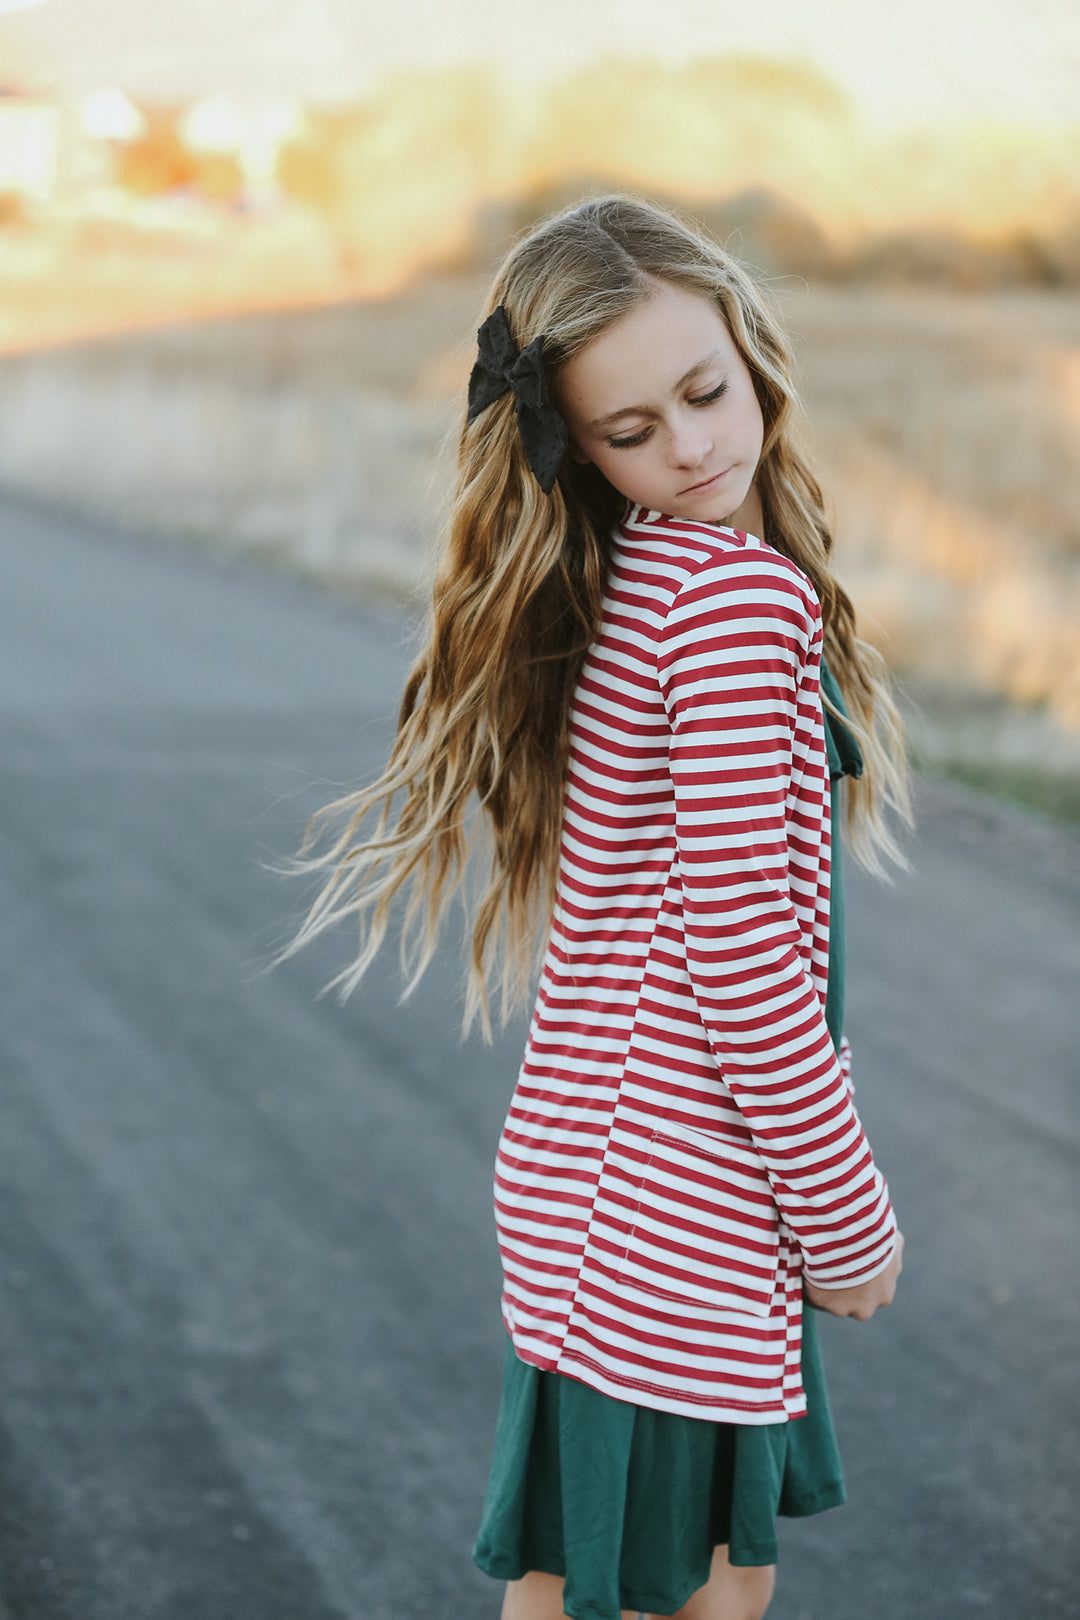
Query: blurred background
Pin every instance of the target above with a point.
(243, 246)
(249, 1334)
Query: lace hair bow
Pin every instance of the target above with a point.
(501, 365)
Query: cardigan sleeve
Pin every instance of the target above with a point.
(738, 660)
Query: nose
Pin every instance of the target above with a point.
(690, 443)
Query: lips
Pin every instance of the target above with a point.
(706, 483)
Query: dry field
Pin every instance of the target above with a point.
(949, 434)
(946, 426)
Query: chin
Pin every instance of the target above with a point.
(717, 519)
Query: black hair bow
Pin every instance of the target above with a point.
(499, 366)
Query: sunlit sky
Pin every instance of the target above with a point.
(905, 62)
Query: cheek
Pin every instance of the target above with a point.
(625, 472)
(757, 415)
(753, 421)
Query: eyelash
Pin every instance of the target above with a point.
(639, 438)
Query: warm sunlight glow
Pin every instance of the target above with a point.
(221, 124)
(109, 115)
(213, 124)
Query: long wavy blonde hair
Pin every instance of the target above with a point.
(483, 734)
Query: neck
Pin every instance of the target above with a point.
(749, 517)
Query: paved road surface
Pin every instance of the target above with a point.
(249, 1340)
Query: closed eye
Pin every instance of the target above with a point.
(643, 433)
(626, 444)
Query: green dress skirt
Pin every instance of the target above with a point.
(628, 1503)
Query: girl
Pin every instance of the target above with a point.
(624, 671)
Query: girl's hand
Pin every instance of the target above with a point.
(868, 1297)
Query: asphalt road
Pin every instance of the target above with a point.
(249, 1335)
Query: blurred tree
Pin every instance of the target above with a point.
(308, 167)
(157, 160)
(700, 130)
(12, 208)
(403, 173)
(445, 166)
(218, 176)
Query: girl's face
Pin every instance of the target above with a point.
(664, 405)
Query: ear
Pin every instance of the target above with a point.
(575, 452)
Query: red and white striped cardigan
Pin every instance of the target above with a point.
(682, 1139)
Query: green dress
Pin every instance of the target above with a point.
(626, 1502)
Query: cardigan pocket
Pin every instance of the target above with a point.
(706, 1226)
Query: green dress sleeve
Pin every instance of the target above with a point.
(845, 759)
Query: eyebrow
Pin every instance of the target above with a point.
(644, 410)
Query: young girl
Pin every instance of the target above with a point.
(624, 672)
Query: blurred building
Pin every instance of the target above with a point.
(30, 141)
